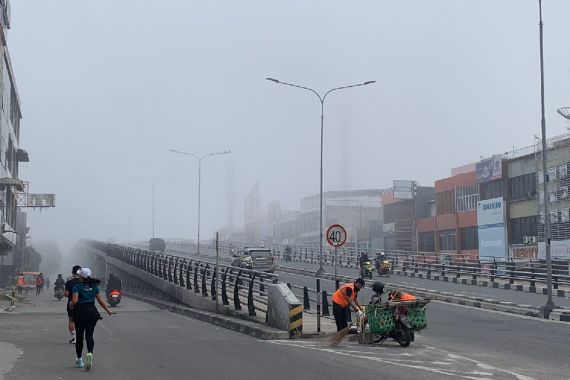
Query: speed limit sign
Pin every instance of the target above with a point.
(336, 235)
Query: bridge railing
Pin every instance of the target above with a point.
(233, 284)
(492, 269)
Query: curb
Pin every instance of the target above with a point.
(485, 283)
(235, 324)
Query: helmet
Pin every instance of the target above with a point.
(378, 287)
(360, 281)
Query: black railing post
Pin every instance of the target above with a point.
(325, 304)
(176, 271)
(181, 272)
(204, 289)
(250, 303)
(213, 284)
(237, 303)
(188, 275)
(306, 300)
(224, 294)
(196, 286)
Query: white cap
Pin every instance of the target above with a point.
(85, 272)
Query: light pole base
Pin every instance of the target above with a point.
(547, 309)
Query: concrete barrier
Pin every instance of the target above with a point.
(284, 311)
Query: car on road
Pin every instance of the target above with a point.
(259, 259)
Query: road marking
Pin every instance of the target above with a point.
(423, 358)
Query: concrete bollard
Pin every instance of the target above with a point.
(284, 311)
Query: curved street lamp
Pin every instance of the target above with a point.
(322, 99)
(199, 160)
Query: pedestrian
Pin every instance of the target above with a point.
(47, 283)
(344, 298)
(39, 284)
(86, 315)
(68, 285)
(20, 282)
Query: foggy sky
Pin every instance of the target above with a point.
(107, 87)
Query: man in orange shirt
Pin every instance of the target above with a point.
(20, 282)
(345, 297)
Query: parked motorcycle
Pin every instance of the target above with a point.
(367, 269)
(114, 298)
(58, 294)
(403, 333)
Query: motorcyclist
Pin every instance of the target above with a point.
(114, 283)
(363, 259)
(59, 283)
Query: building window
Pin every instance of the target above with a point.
(427, 241)
(492, 189)
(523, 187)
(467, 198)
(521, 228)
(469, 238)
(447, 240)
(445, 202)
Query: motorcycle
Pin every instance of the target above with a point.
(114, 298)
(367, 269)
(58, 294)
(383, 268)
(402, 332)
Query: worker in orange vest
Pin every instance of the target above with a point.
(20, 283)
(398, 295)
(345, 297)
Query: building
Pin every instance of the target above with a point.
(10, 156)
(403, 207)
(354, 209)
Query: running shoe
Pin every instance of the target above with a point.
(88, 361)
(78, 363)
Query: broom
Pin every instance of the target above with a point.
(339, 336)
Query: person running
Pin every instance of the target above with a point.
(86, 315)
(74, 279)
(39, 284)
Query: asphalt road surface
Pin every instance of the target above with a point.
(142, 342)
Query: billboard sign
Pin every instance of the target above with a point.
(491, 227)
(403, 189)
(41, 200)
(489, 169)
(559, 249)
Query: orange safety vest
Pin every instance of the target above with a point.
(339, 297)
(407, 297)
(20, 281)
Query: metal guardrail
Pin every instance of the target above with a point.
(198, 275)
(510, 270)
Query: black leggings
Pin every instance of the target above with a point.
(86, 328)
(340, 316)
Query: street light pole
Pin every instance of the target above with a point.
(199, 160)
(152, 180)
(545, 178)
(322, 99)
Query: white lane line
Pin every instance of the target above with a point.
(108, 332)
(376, 359)
(490, 367)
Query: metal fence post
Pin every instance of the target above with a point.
(237, 303)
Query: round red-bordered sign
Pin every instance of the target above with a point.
(336, 235)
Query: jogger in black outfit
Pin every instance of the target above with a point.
(86, 315)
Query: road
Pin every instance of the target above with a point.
(142, 342)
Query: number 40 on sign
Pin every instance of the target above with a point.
(336, 235)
